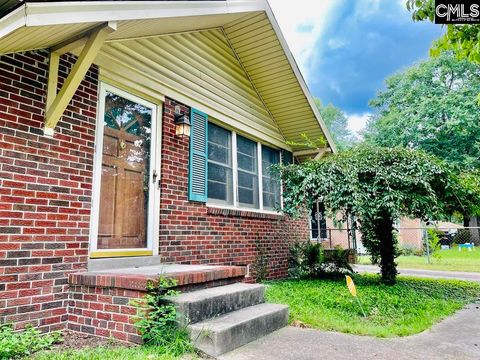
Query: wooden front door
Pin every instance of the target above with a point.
(124, 199)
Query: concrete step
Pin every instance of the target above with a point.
(204, 304)
(228, 332)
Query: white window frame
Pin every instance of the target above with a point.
(233, 159)
(260, 205)
(319, 228)
(236, 205)
(153, 221)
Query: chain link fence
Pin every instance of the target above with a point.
(420, 241)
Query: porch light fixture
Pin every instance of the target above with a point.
(182, 123)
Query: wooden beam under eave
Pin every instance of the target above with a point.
(322, 153)
(316, 153)
(53, 65)
(309, 152)
(77, 74)
(70, 44)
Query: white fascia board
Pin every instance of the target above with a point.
(41, 14)
(299, 75)
(57, 13)
(12, 21)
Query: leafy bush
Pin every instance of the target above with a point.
(433, 238)
(260, 265)
(307, 260)
(336, 262)
(157, 319)
(409, 250)
(14, 345)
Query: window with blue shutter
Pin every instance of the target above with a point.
(197, 188)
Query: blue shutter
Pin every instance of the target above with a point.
(287, 157)
(197, 177)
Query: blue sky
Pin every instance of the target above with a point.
(346, 48)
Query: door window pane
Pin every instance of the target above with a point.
(247, 172)
(270, 181)
(124, 189)
(318, 221)
(220, 179)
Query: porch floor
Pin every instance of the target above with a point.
(136, 278)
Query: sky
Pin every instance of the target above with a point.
(346, 48)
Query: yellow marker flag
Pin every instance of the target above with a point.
(353, 291)
(351, 286)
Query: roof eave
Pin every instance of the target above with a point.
(57, 13)
(299, 76)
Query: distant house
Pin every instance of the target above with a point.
(333, 233)
(136, 134)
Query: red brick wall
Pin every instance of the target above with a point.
(45, 190)
(105, 312)
(45, 199)
(192, 233)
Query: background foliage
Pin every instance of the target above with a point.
(463, 40)
(337, 124)
(432, 107)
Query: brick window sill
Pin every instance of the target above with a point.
(211, 210)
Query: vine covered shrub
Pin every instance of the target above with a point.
(158, 321)
(14, 345)
(378, 186)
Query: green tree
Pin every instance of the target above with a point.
(337, 124)
(378, 186)
(432, 107)
(462, 39)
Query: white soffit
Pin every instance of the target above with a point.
(249, 25)
(263, 51)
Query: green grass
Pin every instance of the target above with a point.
(450, 260)
(106, 353)
(409, 307)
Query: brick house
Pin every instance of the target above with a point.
(101, 177)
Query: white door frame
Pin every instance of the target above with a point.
(153, 221)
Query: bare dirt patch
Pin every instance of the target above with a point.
(76, 341)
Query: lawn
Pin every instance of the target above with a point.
(409, 307)
(106, 352)
(449, 260)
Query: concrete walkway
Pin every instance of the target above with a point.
(455, 338)
(469, 276)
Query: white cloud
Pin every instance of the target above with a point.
(357, 122)
(367, 8)
(302, 23)
(336, 43)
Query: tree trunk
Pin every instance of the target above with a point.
(474, 223)
(384, 233)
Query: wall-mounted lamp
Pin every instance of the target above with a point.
(182, 123)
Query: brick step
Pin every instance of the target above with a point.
(228, 332)
(204, 304)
